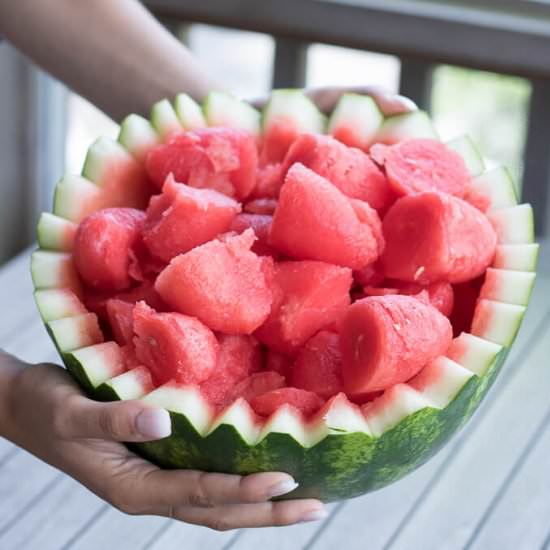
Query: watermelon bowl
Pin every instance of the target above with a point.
(330, 297)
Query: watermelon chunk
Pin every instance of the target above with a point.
(315, 221)
(318, 367)
(269, 179)
(257, 384)
(308, 296)
(221, 283)
(305, 401)
(224, 159)
(174, 346)
(433, 237)
(278, 362)
(349, 169)
(103, 247)
(417, 165)
(386, 340)
(182, 218)
(261, 224)
(261, 206)
(239, 356)
(120, 314)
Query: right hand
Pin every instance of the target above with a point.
(51, 418)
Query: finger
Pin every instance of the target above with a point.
(254, 515)
(80, 418)
(388, 102)
(166, 489)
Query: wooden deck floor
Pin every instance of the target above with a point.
(488, 489)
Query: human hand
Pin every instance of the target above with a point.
(49, 416)
(327, 97)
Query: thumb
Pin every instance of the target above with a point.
(130, 421)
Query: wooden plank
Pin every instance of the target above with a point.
(481, 464)
(289, 66)
(22, 478)
(37, 527)
(524, 501)
(393, 506)
(415, 81)
(295, 536)
(113, 529)
(536, 175)
(175, 534)
(509, 41)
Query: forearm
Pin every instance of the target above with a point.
(9, 369)
(113, 53)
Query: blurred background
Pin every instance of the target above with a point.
(45, 129)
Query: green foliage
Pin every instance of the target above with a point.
(491, 108)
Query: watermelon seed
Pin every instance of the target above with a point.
(419, 272)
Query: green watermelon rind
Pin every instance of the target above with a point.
(341, 464)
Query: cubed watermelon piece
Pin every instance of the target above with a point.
(349, 169)
(221, 283)
(278, 362)
(318, 367)
(269, 179)
(224, 159)
(433, 237)
(121, 320)
(261, 206)
(439, 294)
(308, 296)
(239, 357)
(417, 165)
(315, 221)
(103, 247)
(261, 224)
(174, 346)
(386, 340)
(183, 217)
(257, 384)
(304, 401)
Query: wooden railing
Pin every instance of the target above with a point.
(503, 36)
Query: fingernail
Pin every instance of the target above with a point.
(406, 102)
(154, 423)
(282, 488)
(314, 515)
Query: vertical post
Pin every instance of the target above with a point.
(289, 68)
(536, 173)
(416, 81)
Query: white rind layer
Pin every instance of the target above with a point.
(464, 146)
(221, 109)
(55, 233)
(73, 333)
(189, 113)
(104, 362)
(57, 303)
(164, 119)
(137, 136)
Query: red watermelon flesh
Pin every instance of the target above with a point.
(174, 346)
(261, 224)
(417, 165)
(239, 356)
(257, 384)
(370, 275)
(121, 321)
(308, 296)
(440, 294)
(221, 283)
(318, 367)
(378, 152)
(436, 237)
(465, 299)
(386, 340)
(269, 179)
(278, 362)
(182, 218)
(103, 244)
(277, 139)
(316, 221)
(129, 357)
(304, 401)
(261, 206)
(349, 169)
(224, 159)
